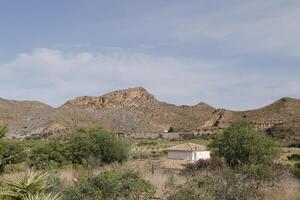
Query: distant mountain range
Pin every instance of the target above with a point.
(134, 110)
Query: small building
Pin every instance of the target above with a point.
(189, 152)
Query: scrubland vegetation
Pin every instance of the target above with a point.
(94, 164)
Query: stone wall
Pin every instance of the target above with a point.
(264, 125)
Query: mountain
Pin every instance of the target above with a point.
(135, 110)
(24, 117)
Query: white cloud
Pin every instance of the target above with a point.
(53, 76)
(250, 26)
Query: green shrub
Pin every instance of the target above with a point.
(247, 152)
(11, 152)
(222, 184)
(240, 144)
(3, 130)
(48, 155)
(185, 194)
(111, 185)
(295, 144)
(98, 145)
(295, 157)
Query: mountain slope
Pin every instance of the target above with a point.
(24, 116)
(135, 110)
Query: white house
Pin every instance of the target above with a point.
(189, 152)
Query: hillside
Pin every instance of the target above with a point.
(135, 110)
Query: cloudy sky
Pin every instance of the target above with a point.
(234, 54)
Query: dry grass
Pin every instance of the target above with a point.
(287, 189)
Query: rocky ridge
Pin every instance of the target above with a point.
(135, 110)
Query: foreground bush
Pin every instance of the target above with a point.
(30, 186)
(222, 184)
(111, 185)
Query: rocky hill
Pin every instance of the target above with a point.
(135, 110)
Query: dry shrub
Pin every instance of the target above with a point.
(210, 165)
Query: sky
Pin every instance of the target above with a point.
(234, 54)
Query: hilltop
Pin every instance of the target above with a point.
(135, 110)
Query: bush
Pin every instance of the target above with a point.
(295, 144)
(295, 170)
(98, 145)
(295, 157)
(247, 152)
(185, 194)
(11, 152)
(222, 184)
(111, 185)
(210, 164)
(3, 130)
(27, 186)
(49, 155)
(240, 144)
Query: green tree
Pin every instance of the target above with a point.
(240, 145)
(98, 145)
(246, 151)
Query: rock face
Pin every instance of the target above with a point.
(134, 110)
(133, 97)
(216, 120)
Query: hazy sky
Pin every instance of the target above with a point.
(234, 54)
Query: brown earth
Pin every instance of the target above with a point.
(135, 110)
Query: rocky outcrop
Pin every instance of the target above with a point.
(217, 120)
(133, 97)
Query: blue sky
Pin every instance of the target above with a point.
(234, 54)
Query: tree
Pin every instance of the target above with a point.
(246, 151)
(29, 186)
(240, 145)
(98, 145)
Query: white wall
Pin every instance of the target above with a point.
(180, 155)
(186, 155)
(202, 155)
